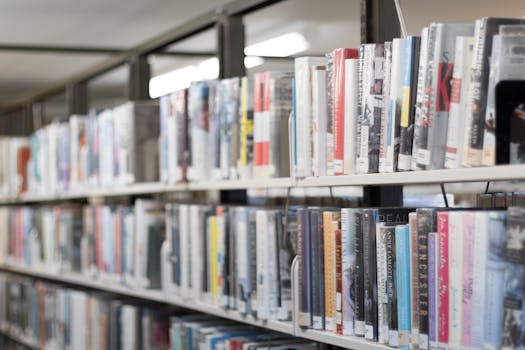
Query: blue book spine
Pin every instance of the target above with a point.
(403, 284)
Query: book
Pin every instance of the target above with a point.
(386, 137)
(459, 94)
(402, 269)
(245, 166)
(305, 268)
(506, 63)
(318, 268)
(305, 85)
(336, 125)
(443, 278)
(432, 291)
(318, 122)
(359, 277)
(494, 279)
(468, 260)
(485, 29)
(348, 260)
(414, 51)
(330, 284)
(351, 115)
(430, 137)
(512, 331)
(198, 131)
(372, 104)
(455, 249)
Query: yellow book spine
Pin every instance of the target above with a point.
(213, 257)
(329, 271)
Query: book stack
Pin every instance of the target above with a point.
(417, 103)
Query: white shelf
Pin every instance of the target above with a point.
(481, 174)
(17, 337)
(159, 296)
(283, 182)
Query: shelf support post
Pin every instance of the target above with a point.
(379, 22)
(139, 75)
(230, 46)
(76, 98)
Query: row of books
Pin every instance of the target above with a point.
(415, 103)
(53, 317)
(114, 147)
(229, 129)
(427, 279)
(233, 257)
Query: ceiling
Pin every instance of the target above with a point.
(124, 23)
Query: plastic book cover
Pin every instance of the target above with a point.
(442, 278)
(317, 266)
(402, 268)
(432, 291)
(198, 130)
(246, 138)
(305, 267)
(348, 260)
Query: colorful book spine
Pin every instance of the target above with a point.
(370, 273)
(382, 299)
(402, 268)
(443, 278)
(414, 287)
(329, 272)
(386, 136)
(261, 120)
(336, 224)
(318, 285)
(468, 259)
(391, 286)
(359, 277)
(455, 249)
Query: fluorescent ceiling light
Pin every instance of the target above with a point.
(280, 46)
(181, 78)
(253, 61)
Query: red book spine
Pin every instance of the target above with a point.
(24, 153)
(257, 109)
(338, 281)
(443, 281)
(266, 116)
(339, 57)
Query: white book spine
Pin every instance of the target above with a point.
(303, 90)
(272, 274)
(196, 236)
(172, 151)
(351, 114)
(455, 248)
(362, 160)
(382, 298)
(320, 113)
(458, 101)
(386, 144)
(242, 260)
(481, 227)
(262, 283)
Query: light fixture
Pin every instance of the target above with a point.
(280, 46)
(181, 78)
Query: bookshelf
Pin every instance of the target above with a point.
(375, 30)
(18, 338)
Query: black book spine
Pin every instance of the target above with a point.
(359, 277)
(426, 223)
(390, 240)
(252, 238)
(317, 259)
(370, 264)
(305, 306)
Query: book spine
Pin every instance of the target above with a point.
(331, 112)
(385, 141)
(418, 57)
(455, 249)
(420, 150)
(246, 146)
(305, 306)
(359, 279)
(319, 121)
(432, 295)
(458, 101)
(351, 114)
(410, 64)
(468, 259)
(242, 260)
(365, 73)
(479, 275)
(303, 112)
(382, 299)
(339, 57)
(443, 278)
(402, 272)
(329, 272)
(370, 273)
(414, 287)
(336, 224)
(260, 124)
(425, 225)
(348, 233)
(513, 306)
(391, 288)
(318, 269)
(374, 106)
(263, 284)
